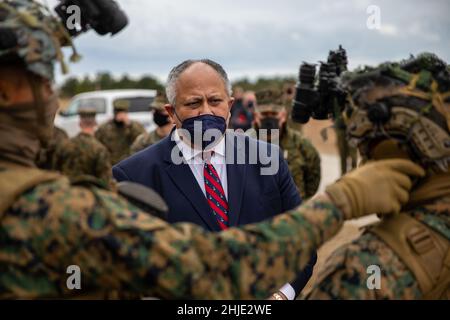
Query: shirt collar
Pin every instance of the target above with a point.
(190, 153)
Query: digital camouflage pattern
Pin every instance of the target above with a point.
(118, 139)
(119, 248)
(144, 140)
(83, 155)
(345, 274)
(303, 161)
(45, 156)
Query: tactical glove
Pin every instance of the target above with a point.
(376, 187)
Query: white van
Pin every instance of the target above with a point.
(102, 101)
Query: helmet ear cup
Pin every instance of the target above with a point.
(378, 113)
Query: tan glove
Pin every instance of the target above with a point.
(376, 187)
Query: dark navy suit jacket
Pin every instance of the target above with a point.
(252, 196)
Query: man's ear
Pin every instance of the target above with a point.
(230, 103)
(171, 111)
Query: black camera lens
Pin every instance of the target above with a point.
(305, 95)
(307, 75)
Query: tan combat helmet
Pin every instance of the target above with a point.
(269, 100)
(406, 102)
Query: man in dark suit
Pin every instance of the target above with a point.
(207, 176)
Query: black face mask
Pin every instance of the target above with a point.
(119, 124)
(270, 123)
(160, 119)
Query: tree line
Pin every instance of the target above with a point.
(105, 81)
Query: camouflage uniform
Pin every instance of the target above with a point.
(145, 140)
(345, 272)
(417, 93)
(118, 139)
(45, 156)
(303, 161)
(117, 247)
(83, 155)
(302, 157)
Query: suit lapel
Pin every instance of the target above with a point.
(236, 176)
(184, 180)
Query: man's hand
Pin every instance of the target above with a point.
(376, 187)
(278, 296)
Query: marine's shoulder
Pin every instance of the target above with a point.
(59, 199)
(435, 215)
(108, 125)
(346, 272)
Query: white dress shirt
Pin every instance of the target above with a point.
(195, 159)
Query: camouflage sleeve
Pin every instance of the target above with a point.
(119, 248)
(137, 144)
(58, 157)
(101, 134)
(312, 174)
(134, 130)
(103, 168)
(365, 269)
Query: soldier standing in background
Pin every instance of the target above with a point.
(162, 120)
(118, 134)
(302, 157)
(84, 155)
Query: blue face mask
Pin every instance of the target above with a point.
(199, 125)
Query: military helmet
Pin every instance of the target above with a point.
(269, 100)
(121, 105)
(87, 112)
(407, 102)
(159, 101)
(29, 32)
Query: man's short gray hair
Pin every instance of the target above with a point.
(179, 69)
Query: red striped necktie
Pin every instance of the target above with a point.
(215, 195)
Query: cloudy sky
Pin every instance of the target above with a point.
(259, 37)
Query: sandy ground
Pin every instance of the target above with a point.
(330, 172)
